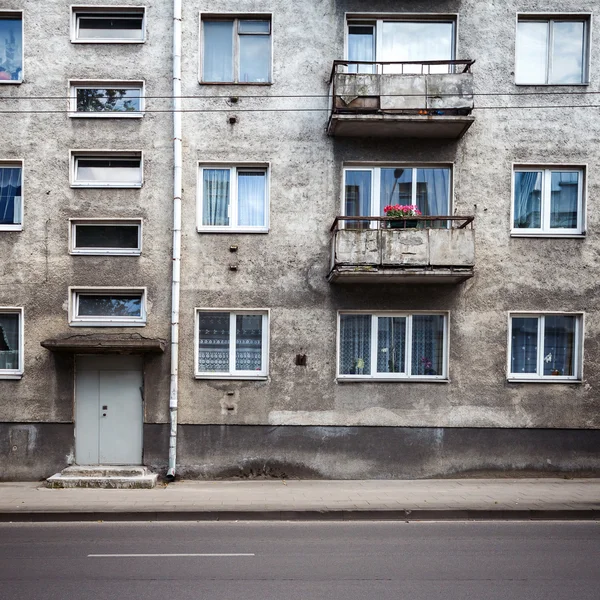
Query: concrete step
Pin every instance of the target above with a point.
(108, 477)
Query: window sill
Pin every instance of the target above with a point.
(107, 324)
(548, 235)
(105, 253)
(99, 185)
(552, 84)
(232, 230)
(11, 227)
(112, 41)
(237, 83)
(390, 380)
(233, 377)
(10, 376)
(11, 82)
(105, 115)
(543, 380)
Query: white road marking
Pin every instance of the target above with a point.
(158, 555)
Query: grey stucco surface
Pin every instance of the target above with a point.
(285, 270)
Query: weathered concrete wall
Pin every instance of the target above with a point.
(376, 452)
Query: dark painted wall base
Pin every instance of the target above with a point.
(213, 451)
(36, 451)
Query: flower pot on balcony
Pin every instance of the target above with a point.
(403, 224)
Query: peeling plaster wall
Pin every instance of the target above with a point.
(285, 270)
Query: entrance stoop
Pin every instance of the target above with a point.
(109, 477)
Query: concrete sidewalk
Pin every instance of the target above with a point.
(301, 499)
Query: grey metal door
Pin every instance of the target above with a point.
(108, 410)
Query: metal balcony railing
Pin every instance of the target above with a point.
(422, 222)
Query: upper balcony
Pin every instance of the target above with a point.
(429, 249)
(430, 99)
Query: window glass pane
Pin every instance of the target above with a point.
(109, 306)
(254, 27)
(564, 200)
(567, 52)
(251, 198)
(255, 58)
(528, 200)
(523, 353)
(361, 47)
(428, 345)
(559, 344)
(391, 342)
(218, 51)
(11, 49)
(355, 344)
(416, 41)
(248, 342)
(357, 198)
(9, 341)
(108, 100)
(433, 191)
(122, 27)
(215, 199)
(10, 195)
(107, 236)
(213, 342)
(532, 52)
(109, 170)
(395, 188)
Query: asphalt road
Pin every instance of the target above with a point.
(301, 561)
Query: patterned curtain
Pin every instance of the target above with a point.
(9, 341)
(248, 342)
(391, 342)
(427, 344)
(524, 345)
(559, 343)
(355, 344)
(213, 342)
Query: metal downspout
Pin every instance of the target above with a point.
(176, 279)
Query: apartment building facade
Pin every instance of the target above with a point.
(316, 336)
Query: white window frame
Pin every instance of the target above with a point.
(76, 155)
(104, 12)
(75, 85)
(376, 183)
(536, 377)
(98, 321)
(235, 17)
(10, 163)
(233, 197)
(551, 17)
(376, 21)
(443, 378)
(545, 230)
(233, 373)
(74, 223)
(9, 14)
(18, 372)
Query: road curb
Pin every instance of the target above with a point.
(304, 515)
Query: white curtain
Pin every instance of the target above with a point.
(9, 341)
(528, 191)
(251, 198)
(433, 191)
(391, 342)
(361, 47)
(427, 344)
(215, 199)
(10, 195)
(355, 344)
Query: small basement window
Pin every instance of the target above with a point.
(11, 47)
(108, 25)
(11, 343)
(108, 308)
(111, 169)
(11, 198)
(106, 237)
(106, 99)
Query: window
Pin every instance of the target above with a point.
(545, 347)
(233, 199)
(398, 41)
(11, 196)
(236, 50)
(367, 190)
(392, 346)
(102, 307)
(11, 47)
(107, 99)
(231, 344)
(548, 201)
(106, 169)
(552, 51)
(99, 236)
(108, 25)
(11, 343)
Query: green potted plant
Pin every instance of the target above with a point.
(402, 213)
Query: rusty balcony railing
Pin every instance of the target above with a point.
(424, 222)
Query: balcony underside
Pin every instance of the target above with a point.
(398, 126)
(399, 275)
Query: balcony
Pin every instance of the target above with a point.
(431, 99)
(382, 250)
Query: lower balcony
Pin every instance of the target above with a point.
(436, 250)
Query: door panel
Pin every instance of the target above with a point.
(86, 415)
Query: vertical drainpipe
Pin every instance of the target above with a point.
(176, 280)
